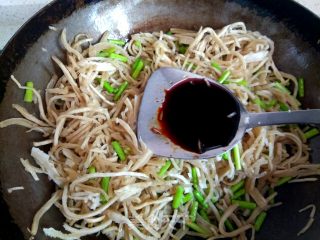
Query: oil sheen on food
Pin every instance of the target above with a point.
(198, 115)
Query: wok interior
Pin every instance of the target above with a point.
(121, 18)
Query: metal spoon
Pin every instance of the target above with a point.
(154, 95)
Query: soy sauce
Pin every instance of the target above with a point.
(198, 115)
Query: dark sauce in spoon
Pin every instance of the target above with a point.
(198, 115)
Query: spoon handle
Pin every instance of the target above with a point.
(278, 118)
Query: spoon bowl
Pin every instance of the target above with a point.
(154, 96)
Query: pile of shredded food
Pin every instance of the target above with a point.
(109, 182)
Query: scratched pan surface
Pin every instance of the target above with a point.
(294, 30)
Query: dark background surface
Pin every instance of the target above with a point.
(8, 230)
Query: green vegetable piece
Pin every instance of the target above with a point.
(229, 225)
(119, 91)
(91, 169)
(224, 76)
(105, 184)
(169, 33)
(311, 133)
(243, 83)
(194, 175)
(193, 66)
(244, 204)
(283, 180)
(284, 107)
(270, 104)
(237, 186)
(137, 68)
(280, 87)
(215, 198)
(301, 87)
(106, 52)
(182, 48)
(137, 43)
(226, 155)
(118, 57)
(259, 221)
(199, 197)
(103, 199)
(187, 198)
(197, 228)
(117, 42)
(270, 192)
(236, 157)
(164, 168)
(239, 193)
(216, 66)
(178, 197)
(259, 102)
(28, 95)
(193, 211)
(204, 215)
(119, 150)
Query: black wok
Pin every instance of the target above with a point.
(296, 34)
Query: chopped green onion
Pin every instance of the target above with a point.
(182, 48)
(91, 169)
(226, 155)
(117, 42)
(224, 76)
(119, 150)
(103, 199)
(137, 68)
(118, 57)
(178, 197)
(271, 103)
(106, 52)
(199, 197)
(28, 95)
(215, 198)
(283, 180)
(119, 91)
(187, 198)
(242, 83)
(239, 193)
(283, 107)
(259, 102)
(164, 168)
(193, 211)
(229, 225)
(236, 157)
(137, 43)
(194, 175)
(204, 215)
(259, 221)
(311, 133)
(281, 87)
(244, 204)
(105, 184)
(237, 186)
(193, 65)
(264, 104)
(216, 66)
(301, 87)
(270, 192)
(197, 228)
(107, 86)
